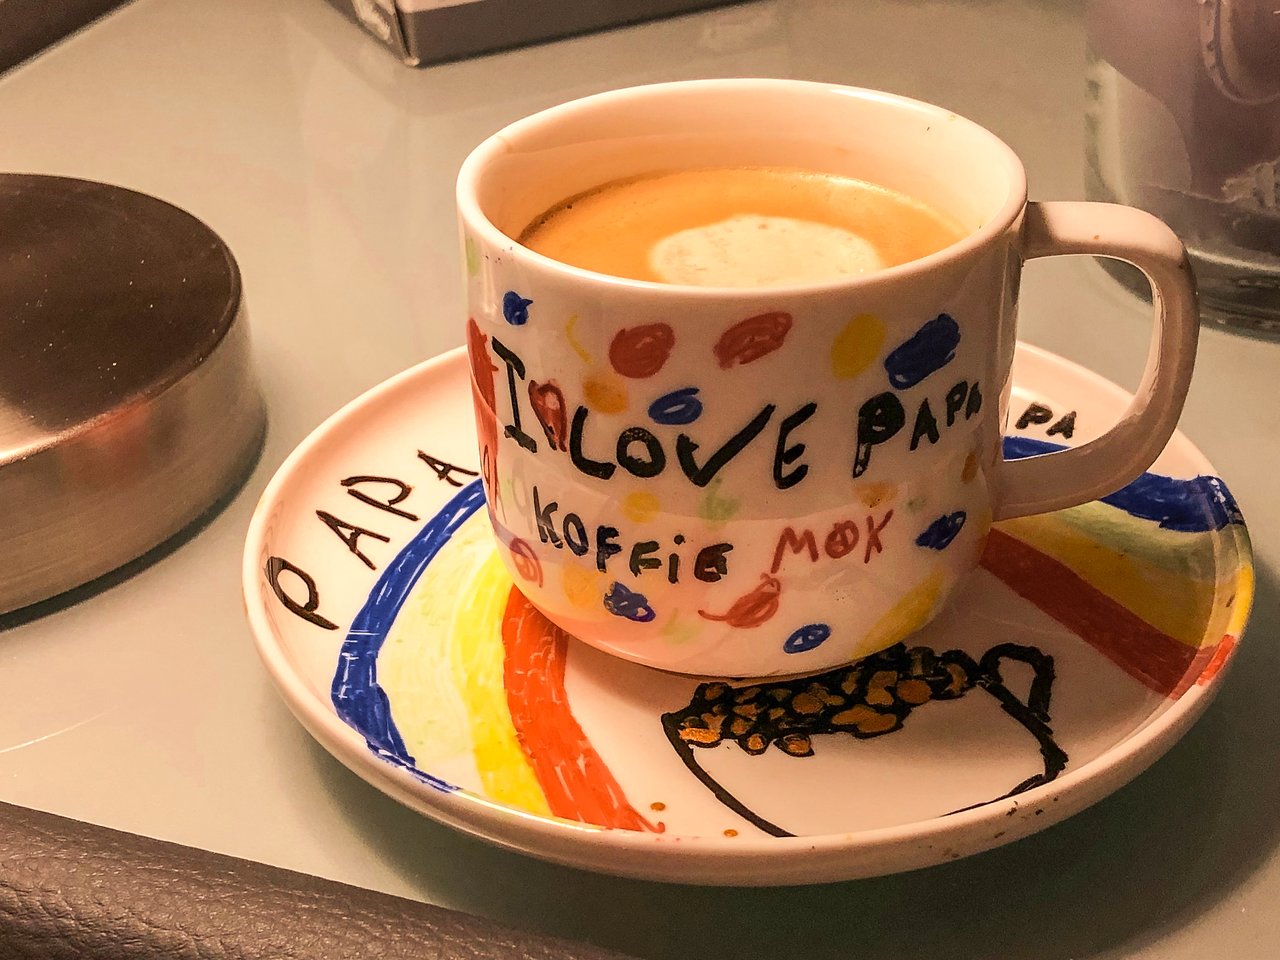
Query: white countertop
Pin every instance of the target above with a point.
(328, 167)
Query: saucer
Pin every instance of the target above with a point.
(1085, 645)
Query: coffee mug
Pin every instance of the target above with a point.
(754, 481)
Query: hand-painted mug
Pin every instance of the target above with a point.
(757, 481)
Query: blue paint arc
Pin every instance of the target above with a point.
(1198, 505)
(356, 694)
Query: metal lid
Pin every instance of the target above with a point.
(127, 401)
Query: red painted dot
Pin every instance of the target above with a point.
(640, 352)
(752, 338)
(526, 561)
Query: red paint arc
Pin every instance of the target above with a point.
(572, 775)
(1147, 654)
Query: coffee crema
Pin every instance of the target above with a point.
(739, 227)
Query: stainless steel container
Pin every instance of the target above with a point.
(127, 400)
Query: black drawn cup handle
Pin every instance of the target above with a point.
(1032, 713)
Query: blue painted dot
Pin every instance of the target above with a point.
(676, 408)
(927, 351)
(622, 602)
(806, 638)
(515, 308)
(939, 534)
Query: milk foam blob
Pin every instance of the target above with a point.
(749, 250)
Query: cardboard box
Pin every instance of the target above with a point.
(422, 32)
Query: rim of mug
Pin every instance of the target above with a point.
(497, 144)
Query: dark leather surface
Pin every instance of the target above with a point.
(69, 889)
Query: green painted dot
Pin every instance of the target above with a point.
(678, 631)
(716, 509)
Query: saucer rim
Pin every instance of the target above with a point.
(710, 859)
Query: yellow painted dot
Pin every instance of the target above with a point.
(472, 257)
(857, 346)
(731, 832)
(605, 393)
(640, 507)
(905, 617)
(874, 494)
(583, 586)
(970, 467)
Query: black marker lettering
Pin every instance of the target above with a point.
(711, 563)
(575, 534)
(783, 454)
(1036, 413)
(975, 401)
(926, 424)
(592, 468)
(702, 475)
(640, 559)
(606, 546)
(1066, 426)
(444, 470)
(639, 466)
(515, 367)
(878, 419)
(350, 534)
(307, 609)
(402, 490)
(955, 401)
(542, 515)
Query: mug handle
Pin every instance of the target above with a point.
(1056, 480)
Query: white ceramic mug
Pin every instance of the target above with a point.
(751, 482)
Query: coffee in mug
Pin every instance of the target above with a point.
(738, 227)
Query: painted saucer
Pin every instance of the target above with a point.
(1086, 644)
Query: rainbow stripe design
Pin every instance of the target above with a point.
(448, 669)
(493, 674)
(1138, 575)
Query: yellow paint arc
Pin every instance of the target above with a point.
(1241, 600)
(1173, 602)
(413, 664)
(572, 337)
(857, 346)
(477, 661)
